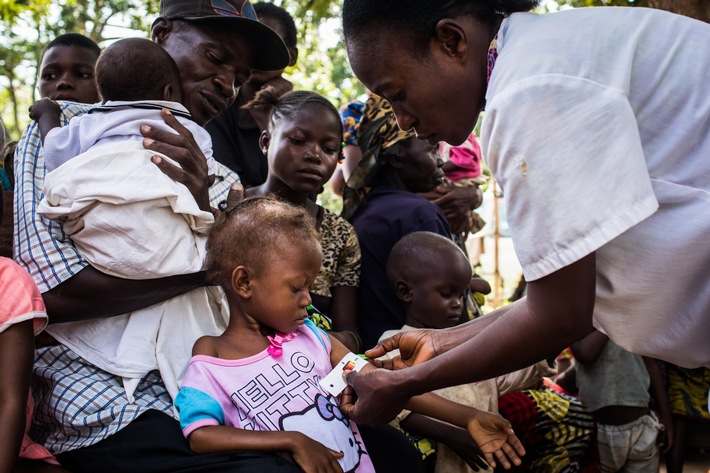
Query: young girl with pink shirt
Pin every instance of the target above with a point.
(256, 386)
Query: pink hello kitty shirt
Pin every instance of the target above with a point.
(276, 389)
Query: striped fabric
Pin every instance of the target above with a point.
(558, 434)
(77, 404)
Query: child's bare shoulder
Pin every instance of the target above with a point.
(205, 346)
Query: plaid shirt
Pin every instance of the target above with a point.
(77, 404)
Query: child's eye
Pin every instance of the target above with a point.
(49, 76)
(296, 141)
(295, 290)
(329, 150)
(445, 294)
(85, 75)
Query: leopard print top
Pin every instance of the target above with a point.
(341, 255)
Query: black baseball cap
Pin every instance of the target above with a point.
(269, 49)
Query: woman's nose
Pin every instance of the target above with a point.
(404, 120)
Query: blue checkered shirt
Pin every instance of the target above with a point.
(77, 404)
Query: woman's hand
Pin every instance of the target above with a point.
(372, 397)
(456, 203)
(314, 457)
(415, 346)
(182, 148)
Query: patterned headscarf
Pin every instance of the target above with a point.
(379, 138)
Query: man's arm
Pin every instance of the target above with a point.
(91, 294)
(418, 346)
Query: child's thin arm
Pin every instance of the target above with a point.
(456, 438)
(16, 357)
(588, 349)
(307, 453)
(46, 113)
(659, 393)
(491, 432)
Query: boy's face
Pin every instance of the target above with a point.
(67, 73)
(437, 297)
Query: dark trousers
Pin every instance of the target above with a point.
(154, 443)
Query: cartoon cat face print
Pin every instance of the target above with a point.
(324, 423)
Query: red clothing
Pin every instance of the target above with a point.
(22, 301)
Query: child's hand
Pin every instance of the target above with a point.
(44, 107)
(315, 457)
(496, 439)
(463, 445)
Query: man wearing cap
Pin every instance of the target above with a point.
(82, 413)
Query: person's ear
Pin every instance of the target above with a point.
(160, 30)
(403, 290)
(264, 141)
(293, 56)
(241, 282)
(451, 38)
(168, 93)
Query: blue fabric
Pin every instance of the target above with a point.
(195, 405)
(4, 181)
(320, 334)
(387, 215)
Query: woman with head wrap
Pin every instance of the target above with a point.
(382, 203)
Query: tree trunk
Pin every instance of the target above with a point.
(698, 9)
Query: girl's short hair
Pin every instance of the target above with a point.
(248, 233)
(419, 17)
(289, 104)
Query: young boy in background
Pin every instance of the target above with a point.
(66, 69)
(431, 275)
(614, 385)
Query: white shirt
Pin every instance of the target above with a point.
(118, 122)
(596, 127)
(130, 220)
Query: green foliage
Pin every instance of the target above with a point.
(30, 24)
(27, 25)
(321, 67)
